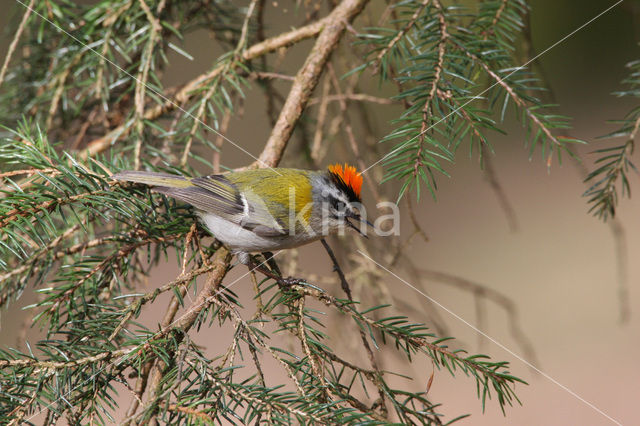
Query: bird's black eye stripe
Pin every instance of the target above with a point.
(337, 205)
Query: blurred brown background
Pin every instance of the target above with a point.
(559, 267)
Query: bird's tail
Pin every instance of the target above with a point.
(153, 179)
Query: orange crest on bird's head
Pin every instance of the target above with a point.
(347, 179)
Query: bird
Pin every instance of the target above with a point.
(262, 210)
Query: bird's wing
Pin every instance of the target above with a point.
(213, 194)
(253, 215)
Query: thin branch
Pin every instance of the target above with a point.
(30, 172)
(198, 117)
(186, 93)
(270, 92)
(271, 404)
(59, 83)
(58, 365)
(373, 186)
(503, 200)
(302, 335)
(357, 97)
(363, 336)
(192, 412)
(518, 101)
(264, 75)
(46, 205)
(433, 90)
(141, 385)
(220, 264)
(16, 39)
(320, 121)
(416, 342)
(181, 280)
(219, 141)
(77, 248)
(238, 319)
(158, 368)
(414, 220)
(307, 79)
(621, 252)
(402, 32)
(370, 374)
(498, 14)
(120, 254)
(482, 291)
(141, 81)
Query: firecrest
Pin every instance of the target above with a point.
(266, 209)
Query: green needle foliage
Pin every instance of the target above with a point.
(456, 72)
(614, 163)
(85, 96)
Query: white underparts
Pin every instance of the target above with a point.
(239, 239)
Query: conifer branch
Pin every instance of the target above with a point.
(433, 89)
(413, 342)
(496, 18)
(191, 88)
(519, 102)
(405, 29)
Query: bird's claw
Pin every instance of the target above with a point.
(291, 281)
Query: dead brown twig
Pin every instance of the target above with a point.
(182, 96)
(16, 39)
(307, 79)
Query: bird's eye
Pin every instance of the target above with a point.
(338, 208)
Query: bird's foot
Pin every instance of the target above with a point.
(273, 273)
(291, 281)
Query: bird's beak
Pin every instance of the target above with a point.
(352, 226)
(367, 222)
(360, 219)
